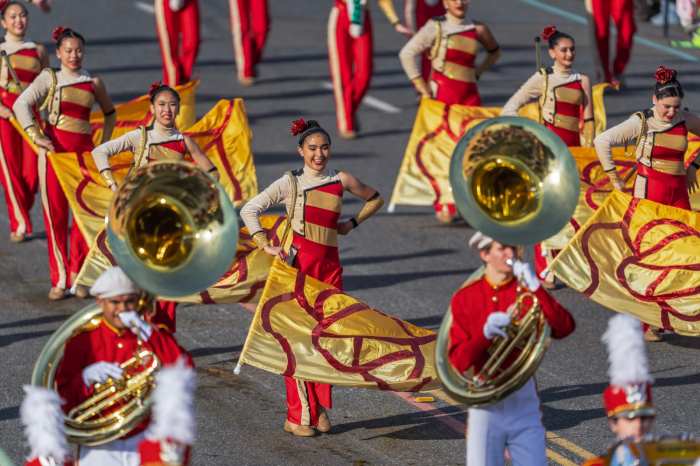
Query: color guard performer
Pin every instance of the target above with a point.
(19, 66)
(68, 96)
(479, 313)
(627, 400)
(350, 56)
(175, 18)
(312, 197)
(453, 41)
(42, 418)
(660, 135)
(94, 355)
(564, 96)
(417, 13)
(250, 23)
(161, 141)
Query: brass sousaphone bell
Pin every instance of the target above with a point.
(515, 181)
(174, 231)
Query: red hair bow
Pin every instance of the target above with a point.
(57, 32)
(664, 75)
(298, 127)
(548, 32)
(155, 85)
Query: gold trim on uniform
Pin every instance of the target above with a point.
(73, 125)
(159, 152)
(677, 142)
(77, 96)
(566, 122)
(321, 235)
(462, 43)
(671, 167)
(569, 95)
(323, 200)
(459, 73)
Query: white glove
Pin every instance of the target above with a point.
(99, 372)
(136, 324)
(355, 30)
(176, 5)
(524, 273)
(495, 323)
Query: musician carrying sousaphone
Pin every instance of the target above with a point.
(479, 315)
(97, 353)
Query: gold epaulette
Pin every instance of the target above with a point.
(88, 327)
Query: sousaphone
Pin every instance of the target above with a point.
(517, 182)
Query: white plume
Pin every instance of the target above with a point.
(173, 404)
(43, 423)
(626, 351)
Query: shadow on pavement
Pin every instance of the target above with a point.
(370, 281)
(398, 257)
(424, 425)
(212, 350)
(6, 340)
(30, 322)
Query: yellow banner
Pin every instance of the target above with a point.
(136, 112)
(306, 329)
(641, 258)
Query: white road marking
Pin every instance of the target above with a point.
(370, 101)
(147, 7)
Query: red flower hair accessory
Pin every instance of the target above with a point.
(155, 85)
(548, 32)
(664, 75)
(298, 126)
(3, 5)
(57, 33)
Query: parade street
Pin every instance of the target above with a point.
(403, 263)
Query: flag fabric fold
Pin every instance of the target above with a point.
(638, 257)
(306, 329)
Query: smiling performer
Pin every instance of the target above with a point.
(565, 102)
(95, 354)
(479, 314)
(68, 96)
(313, 198)
(21, 64)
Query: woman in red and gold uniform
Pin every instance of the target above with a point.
(417, 13)
(661, 137)
(250, 24)
(350, 55)
(157, 142)
(564, 95)
(18, 163)
(175, 18)
(68, 95)
(313, 197)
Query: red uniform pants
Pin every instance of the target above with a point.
(417, 13)
(249, 26)
(665, 188)
(622, 12)
(351, 65)
(178, 59)
(18, 173)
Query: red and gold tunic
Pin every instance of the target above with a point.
(106, 343)
(471, 306)
(24, 59)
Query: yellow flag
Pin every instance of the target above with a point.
(306, 329)
(641, 258)
(136, 112)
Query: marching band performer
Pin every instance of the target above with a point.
(313, 200)
(627, 400)
(19, 66)
(250, 24)
(565, 102)
(157, 142)
(42, 418)
(350, 56)
(661, 135)
(417, 13)
(95, 355)
(68, 95)
(453, 41)
(175, 18)
(478, 315)
(170, 435)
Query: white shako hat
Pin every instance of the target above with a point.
(113, 282)
(479, 241)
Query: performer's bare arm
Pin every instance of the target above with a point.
(493, 51)
(411, 53)
(531, 90)
(387, 7)
(373, 201)
(588, 121)
(199, 157)
(107, 107)
(619, 135)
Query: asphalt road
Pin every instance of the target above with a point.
(403, 263)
